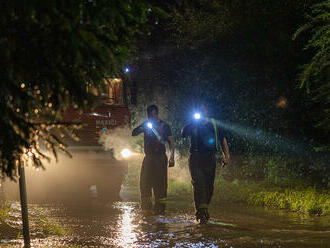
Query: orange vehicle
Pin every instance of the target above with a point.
(100, 174)
(112, 113)
(92, 173)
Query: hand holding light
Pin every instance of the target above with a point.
(149, 125)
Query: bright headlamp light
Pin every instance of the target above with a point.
(197, 116)
(126, 153)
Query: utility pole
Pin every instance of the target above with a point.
(22, 184)
(24, 208)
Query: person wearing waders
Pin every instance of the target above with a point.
(153, 175)
(206, 140)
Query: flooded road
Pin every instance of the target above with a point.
(123, 224)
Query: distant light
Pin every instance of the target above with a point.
(149, 124)
(104, 128)
(23, 85)
(282, 102)
(197, 116)
(211, 141)
(127, 70)
(126, 153)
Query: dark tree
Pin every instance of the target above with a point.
(238, 55)
(315, 76)
(50, 51)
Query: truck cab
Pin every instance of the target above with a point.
(93, 174)
(112, 112)
(100, 173)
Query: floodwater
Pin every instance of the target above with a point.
(123, 224)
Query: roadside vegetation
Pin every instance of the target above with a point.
(277, 182)
(42, 225)
(270, 183)
(299, 199)
(52, 227)
(274, 110)
(4, 211)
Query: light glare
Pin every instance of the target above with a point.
(126, 153)
(197, 116)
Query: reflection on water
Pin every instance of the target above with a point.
(126, 235)
(124, 225)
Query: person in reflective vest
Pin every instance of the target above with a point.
(206, 140)
(154, 166)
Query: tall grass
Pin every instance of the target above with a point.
(51, 227)
(261, 181)
(308, 201)
(4, 212)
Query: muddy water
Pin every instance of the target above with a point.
(123, 224)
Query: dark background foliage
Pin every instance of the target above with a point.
(50, 51)
(238, 57)
(270, 91)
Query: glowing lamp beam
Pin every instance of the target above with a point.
(197, 116)
(149, 124)
(126, 153)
